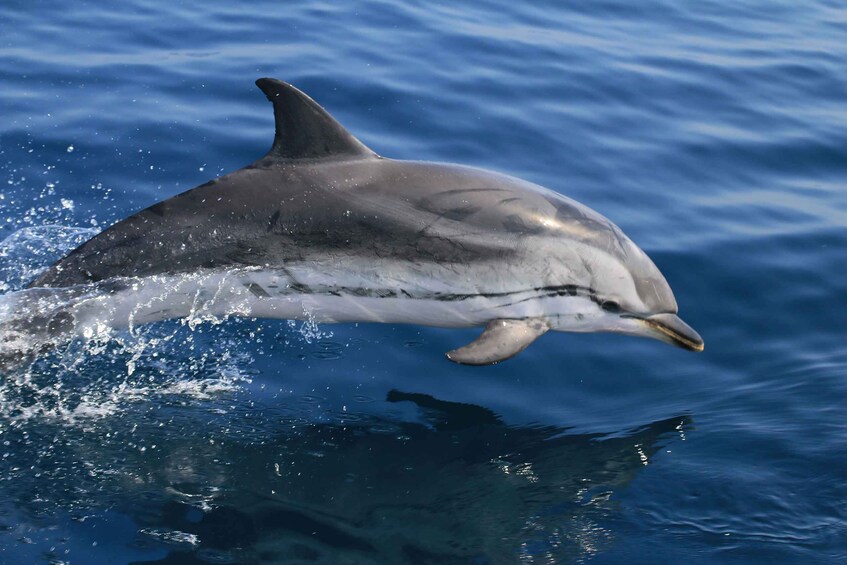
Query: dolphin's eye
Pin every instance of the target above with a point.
(610, 306)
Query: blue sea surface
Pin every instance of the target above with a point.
(713, 133)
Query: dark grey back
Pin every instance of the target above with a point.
(320, 195)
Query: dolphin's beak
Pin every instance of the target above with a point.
(673, 330)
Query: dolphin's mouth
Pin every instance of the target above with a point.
(673, 330)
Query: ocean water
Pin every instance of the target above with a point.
(713, 133)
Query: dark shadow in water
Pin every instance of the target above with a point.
(464, 488)
(457, 486)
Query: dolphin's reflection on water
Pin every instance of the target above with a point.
(456, 486)
(461, 487)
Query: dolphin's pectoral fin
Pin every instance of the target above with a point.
(500, 340)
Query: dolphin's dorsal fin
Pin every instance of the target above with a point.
(304, 130)
(500, 340)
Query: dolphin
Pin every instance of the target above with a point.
(325, 229)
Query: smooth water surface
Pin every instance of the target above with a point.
(714, 134)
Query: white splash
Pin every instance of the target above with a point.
(96, 369)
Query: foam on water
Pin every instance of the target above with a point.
(107, 370)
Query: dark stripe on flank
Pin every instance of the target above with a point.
(539, 292)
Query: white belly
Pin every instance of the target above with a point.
(271, 294)
(31, 318)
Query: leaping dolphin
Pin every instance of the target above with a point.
(324, 228)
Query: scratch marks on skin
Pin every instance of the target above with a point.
(587, 266)
(620, 239)
(457, 214)
(464, 209)
(655, 290)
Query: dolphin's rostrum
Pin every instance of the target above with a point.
(324, 227)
